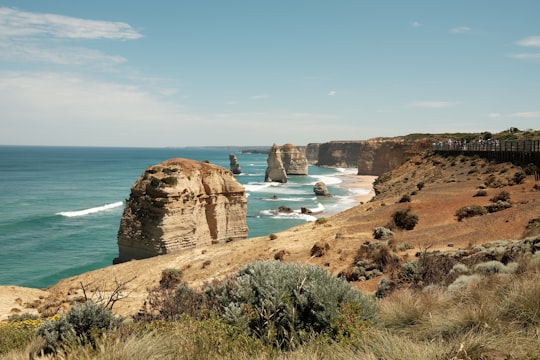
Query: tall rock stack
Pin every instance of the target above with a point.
(181, 204)
(234, 165)
(275, 171)
(285, 160)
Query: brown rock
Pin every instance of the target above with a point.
(275, 171)
(180, 204)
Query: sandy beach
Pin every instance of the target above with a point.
(360, 185)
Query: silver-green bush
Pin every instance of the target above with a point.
(284, 304)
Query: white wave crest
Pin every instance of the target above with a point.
(91, 210)
(328, 180)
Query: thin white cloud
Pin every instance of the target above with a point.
(231, 102)
(16, 23)
(494, 115)
(416, 24)
(332, 93)
(460, 30)
(525, 56)
(24, 52)
(431, 104)
(526, 115)
(260, 97)
(531, 41)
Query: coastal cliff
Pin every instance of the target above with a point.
(340, 153)
(180, 204)
(379, 156)
(312, 153)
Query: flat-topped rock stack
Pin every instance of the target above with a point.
(181, 204)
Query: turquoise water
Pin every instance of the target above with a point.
(60, 207)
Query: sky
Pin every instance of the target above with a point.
(254, 72)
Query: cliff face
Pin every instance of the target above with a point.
(380, 156)
(312, 153)
(181, 204)
(340, 153)
(294, 159)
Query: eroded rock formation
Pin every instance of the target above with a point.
(320, 189)
(294, 159)
(180, 204)
(275, 171)
(285, 160)
(234, 165)
(312, 153)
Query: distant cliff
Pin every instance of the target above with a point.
(312, 153)
(180, 204)
(340, 153)
(379, 156)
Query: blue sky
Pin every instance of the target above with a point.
(250, 72)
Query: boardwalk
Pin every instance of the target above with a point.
(521, 153)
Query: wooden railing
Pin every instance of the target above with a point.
(521, 153)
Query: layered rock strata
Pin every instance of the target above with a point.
(285, 160)
(181, 204)
(380, 155)
(340, 153)
(312, 153)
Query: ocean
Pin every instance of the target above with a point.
(60, 207)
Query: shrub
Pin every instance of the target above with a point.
(403, 219)
(170, 278)
(530, 169)
(321, 220)
(420, 185)
(519, 177)
(382, 233)
(88, 317)
(284, 304)
(273, 236)
(17, 332)
(502, 196)
(83, 322)
(470, 211)
(498, 206)
(480, 193)
(405, 198)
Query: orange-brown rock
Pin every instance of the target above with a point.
(180, 204)
(286, 160)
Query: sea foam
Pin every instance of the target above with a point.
(91, 210)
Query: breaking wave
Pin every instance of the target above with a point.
(91, 210)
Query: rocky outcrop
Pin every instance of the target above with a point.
(234, 165)
(181, 204)
(312, 153)
(320, 189)
(285, 160)
(275, 171)
(379, 156)
(340, 153)
(294, 159)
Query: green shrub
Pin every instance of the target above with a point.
(420, 185)
(470, 211)
(480, 193)
(405, 198)
(502, 196)
(382, 233)
(18, 332)
(284, 304)
(498, 206)
(530, 169)
(519, 177)
(403, 219)
(90, 316)
(83, 322)
(321, 220)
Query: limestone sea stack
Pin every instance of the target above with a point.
(180, 204)
(285, 160)
(275, 171)
(234, 165)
